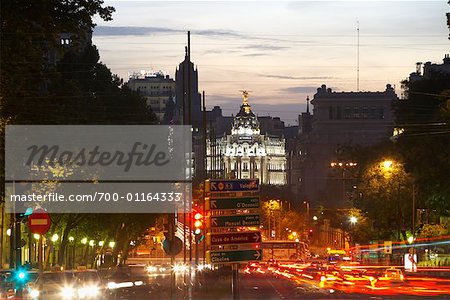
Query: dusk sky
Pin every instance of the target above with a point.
(281, 51)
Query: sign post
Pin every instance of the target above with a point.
(39, 223)
(233, 207)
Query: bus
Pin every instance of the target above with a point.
(280, 250)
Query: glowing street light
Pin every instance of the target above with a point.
(112, 244)
(92, 243)
(101, 243)
(387, 164)
(36, 236)
(315, 218)
(353, 220)
(71, 238)
(55, 237)
(84, 241)
(8, 232)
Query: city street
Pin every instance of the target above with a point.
(284, 283)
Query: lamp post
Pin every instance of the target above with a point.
(54, 239)
(307, 224)
(353, 220)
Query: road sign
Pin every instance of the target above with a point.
(221, 257)
(235, 221)
(39, 222)
(275, 245)
(388, 247)
(173, 247)
(238, 185)
(249, 237)
(233, 203)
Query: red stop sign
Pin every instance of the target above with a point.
(39, 222)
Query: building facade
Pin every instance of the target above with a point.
(339, 120)
(157, 89)
(246, 153)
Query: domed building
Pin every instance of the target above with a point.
(245, 153)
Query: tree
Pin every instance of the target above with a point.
(386, 195)
(43, 81)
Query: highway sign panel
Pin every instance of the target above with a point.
(237, 185)
(235, 221)
(233, 203)
(220, 257)
(249, 237)
(275, 245)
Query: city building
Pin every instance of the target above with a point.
(245, 152)
(157, 89)
(187, 98)
(431, 70)
(339, 120)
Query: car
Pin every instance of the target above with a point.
(393, 274)
(55, 285)
(90, 285)
(158, 269)
(121, 284)
(7, 290)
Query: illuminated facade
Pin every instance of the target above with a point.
(245, 153)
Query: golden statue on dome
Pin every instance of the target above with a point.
(245, 94)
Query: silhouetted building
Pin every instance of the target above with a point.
(339, 120)
(186, 78)
(157, 89)
(431, 70)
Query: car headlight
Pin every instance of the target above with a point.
(111, 285)
(68, 292)
(152, 269)
(34, 294)
(88, 291)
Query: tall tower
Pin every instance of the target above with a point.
(186, 81)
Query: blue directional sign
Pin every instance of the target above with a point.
(237, 185)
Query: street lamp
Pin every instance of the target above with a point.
(84, 241)
(353, 220)
(112, 244)
(55, 237)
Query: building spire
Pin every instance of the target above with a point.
(307, 104)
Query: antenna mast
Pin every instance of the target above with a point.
(357, 63)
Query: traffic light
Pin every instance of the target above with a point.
(310, 232)
(198, 223)
(20, 277)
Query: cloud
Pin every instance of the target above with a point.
(140, 31)
(255, 54)
(131, 30)
(300, 89)
(264, 47)
(296, 77)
